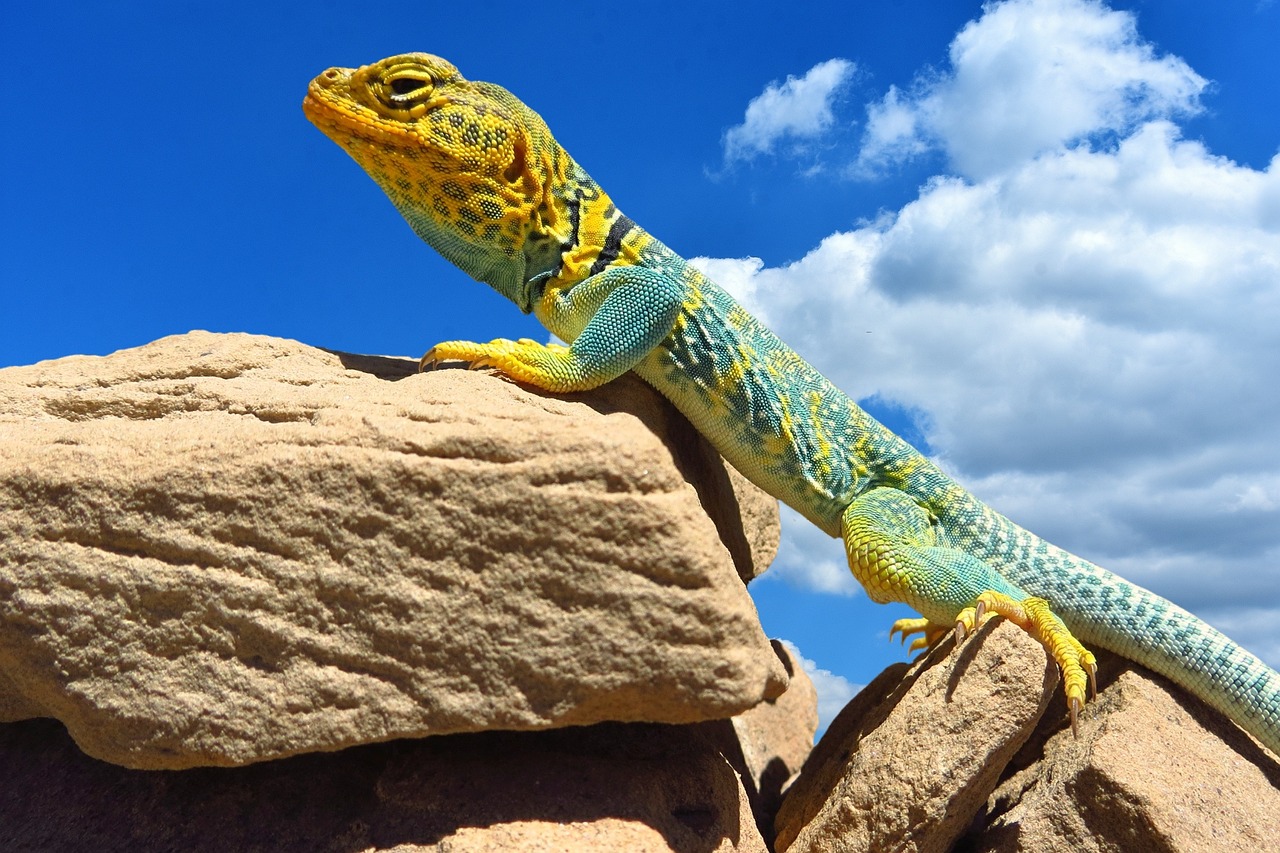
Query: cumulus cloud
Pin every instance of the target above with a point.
(834, 691)
(1027, 77)
(896, 130)
(1092, 333)
(796, 109)
(810, 559)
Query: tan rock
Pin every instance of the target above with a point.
(913, 757)
(1152, 769)
(625, 787)
(219, 549)
(768, 744)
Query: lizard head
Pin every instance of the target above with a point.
(468, 165)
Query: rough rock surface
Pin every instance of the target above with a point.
(220, 549)
(614, 786)
(912, 758)
(768, 744)
(957, 753)
(1152, 769)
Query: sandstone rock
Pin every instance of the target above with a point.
(913, 757)
(768, 744)
(1152, 769)
(220, 549)
(626, 787)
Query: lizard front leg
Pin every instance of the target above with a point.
(623, 313)
(893, 547)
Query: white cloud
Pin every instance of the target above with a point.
(1030, 76)
(797, 109)
(834, 691)
(1092, 336)
(895, 132)
(810, 559)
(1254, 496)
(740, 276)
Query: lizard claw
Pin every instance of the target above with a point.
(475, 355)
(1033, 615)
(971, 619)
(551, 367)
(932, 633)
(907, 627)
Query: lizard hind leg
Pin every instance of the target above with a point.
(893, 547)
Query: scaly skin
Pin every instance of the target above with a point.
(478, 175)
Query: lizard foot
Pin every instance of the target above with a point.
(1034, 616)
(932, 633)
(526, 360)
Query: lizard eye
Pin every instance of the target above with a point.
(406, 85)
(406, 88)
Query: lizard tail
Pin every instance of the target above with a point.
(1105, 610)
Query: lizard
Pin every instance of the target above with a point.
(478, 175)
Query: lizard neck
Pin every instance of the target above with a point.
(581, 232)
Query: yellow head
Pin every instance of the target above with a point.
(469, 166)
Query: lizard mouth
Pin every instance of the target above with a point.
(329, 106)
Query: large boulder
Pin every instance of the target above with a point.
(220, 549)
(958, 751)
(612, 786)
(631, 787)
(1153, 768)
(907, 763)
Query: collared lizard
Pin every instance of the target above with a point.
(478, 175)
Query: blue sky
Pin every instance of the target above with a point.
(1041, 237)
